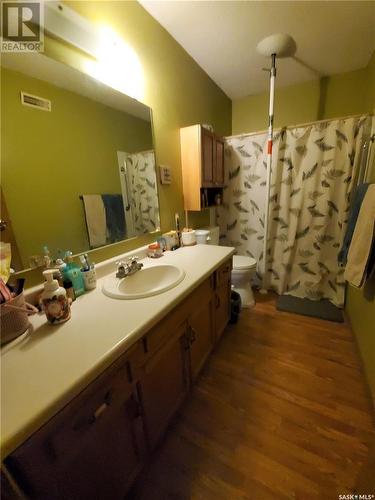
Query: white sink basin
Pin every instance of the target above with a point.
(144, 283)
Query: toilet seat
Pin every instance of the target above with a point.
(242, 263)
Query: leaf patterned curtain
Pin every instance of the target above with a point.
(314, 170)
(143, 191)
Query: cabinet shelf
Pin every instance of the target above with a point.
(202, 160)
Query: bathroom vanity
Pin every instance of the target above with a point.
(85, 403)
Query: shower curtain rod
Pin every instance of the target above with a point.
(298, 125)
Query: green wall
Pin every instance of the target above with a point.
(338, 95)
(179, 92)
(48, 159)
(360, 304)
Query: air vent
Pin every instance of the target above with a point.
(35, 102)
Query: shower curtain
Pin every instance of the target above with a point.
(143, 191)
(314, 170)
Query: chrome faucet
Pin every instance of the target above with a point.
(128, 268)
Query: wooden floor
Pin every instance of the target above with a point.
(280, 411)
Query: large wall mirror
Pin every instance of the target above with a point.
(77, 161)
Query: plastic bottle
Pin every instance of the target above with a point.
(73, 273)
(54, 300)
(68, 285)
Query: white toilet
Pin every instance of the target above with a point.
(242, 273)
(243, 270)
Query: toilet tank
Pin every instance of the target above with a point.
(214, 234)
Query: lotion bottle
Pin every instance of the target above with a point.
(54, 300)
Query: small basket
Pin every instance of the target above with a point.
(14, 318)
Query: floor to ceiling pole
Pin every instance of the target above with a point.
(269, 171)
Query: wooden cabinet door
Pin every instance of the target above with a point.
(222, 309)
(222, 297)
(93, 451)
(164, 383)
(207, 145)
(200, 336)
(219, 176)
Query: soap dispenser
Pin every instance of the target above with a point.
(54, 300)
(72, 272)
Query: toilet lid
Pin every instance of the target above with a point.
(242, 262)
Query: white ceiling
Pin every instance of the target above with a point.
(332, 37)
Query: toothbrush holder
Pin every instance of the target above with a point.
(89, 279)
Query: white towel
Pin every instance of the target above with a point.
(95, 219)
(362, 241)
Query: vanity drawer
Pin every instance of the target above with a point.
(223, 273)
(93, 411)
(72, 423)
(92, 404)
(155, 339)
(67, 457)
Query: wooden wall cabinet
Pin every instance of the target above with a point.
(202, 161)
(95, 447)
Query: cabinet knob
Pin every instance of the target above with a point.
(193, 335)
(217, 302)
(100, 410)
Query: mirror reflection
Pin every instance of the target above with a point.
(77, 160)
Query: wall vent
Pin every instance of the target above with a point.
(35, 102)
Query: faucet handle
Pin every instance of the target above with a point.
(134, 264)
(120, 263)
(122, 268)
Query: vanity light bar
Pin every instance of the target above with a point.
(34, 101)
(66, 24)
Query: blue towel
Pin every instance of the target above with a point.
(353, 216)
(115, 217)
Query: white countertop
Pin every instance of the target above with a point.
(43, 370)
